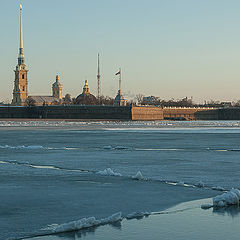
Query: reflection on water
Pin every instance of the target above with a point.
(116, 225)
(75, 235)
(187, 221)
(232, 211)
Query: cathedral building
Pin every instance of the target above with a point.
(55, 99)
(20, 90)
(86, 98)
(57, 88)
(21, 95)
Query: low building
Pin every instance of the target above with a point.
(150, 100)
(226, 104)
(55, 99)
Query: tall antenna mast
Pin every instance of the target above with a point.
(120, 79)
(98, 79)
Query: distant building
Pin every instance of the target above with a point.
(86, 97)
(55, 99)
(20, 91)
(57, 88)
(119, 100)
(41, 101)
(150, 100)
(226, 104)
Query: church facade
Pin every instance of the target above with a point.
(20, 91)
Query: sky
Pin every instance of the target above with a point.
(166, 48)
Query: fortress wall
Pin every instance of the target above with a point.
(140, 113)
(147, 113)
(219, 114)
(229, 113)
(84, 112)
(67, 112)
(182, 113)
(13, 112)
(212, 114)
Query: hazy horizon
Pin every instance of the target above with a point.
(169, 49)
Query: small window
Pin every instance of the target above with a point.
(23, 76)
(23, 88)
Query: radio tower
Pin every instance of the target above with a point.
(98, 79)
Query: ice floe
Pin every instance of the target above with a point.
(83, 223)
(109, 172)
(109, 147)
(137, 215)
(138, 176)
(206, 206)
(218, 188)
(180, 183)
(34, 147)
(231, 197)
(200, 184)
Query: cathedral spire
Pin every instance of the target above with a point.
(98, 78)
(21, 56)
(21, 37)
(20, 91)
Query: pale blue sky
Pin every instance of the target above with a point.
(167, 48)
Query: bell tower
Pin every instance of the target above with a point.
(57, 88)
(20, 91)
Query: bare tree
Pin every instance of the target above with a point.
(139, 98)
(67, 99)
(106, 100)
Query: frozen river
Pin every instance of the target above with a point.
(49, 171)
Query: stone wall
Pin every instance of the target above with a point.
(212, 114)
(229, 113)
(67, 112)
(135, 113)
(147, 113)
(14, 112)
(83, 112)
(182, 113)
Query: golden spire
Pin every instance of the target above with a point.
(21, 35)
(86, 89)
(21, 56)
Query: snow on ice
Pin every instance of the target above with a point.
(138, 176)
(231, 197)
(181, 183)
(109, 172)
(200, 184)
(83, 223)
(137, 215)
(218, 188)
(206, 206)
(22, 147)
